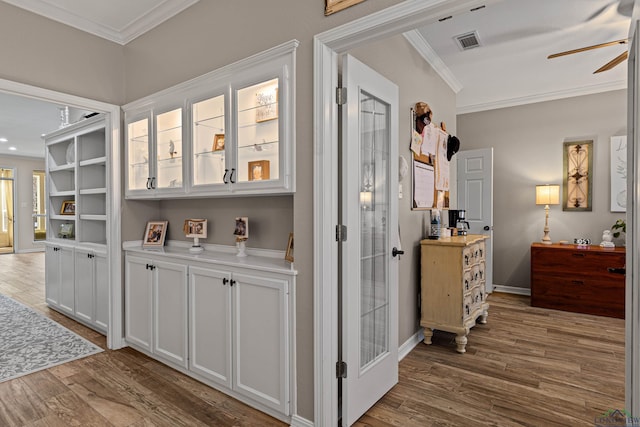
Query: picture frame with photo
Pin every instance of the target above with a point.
(289, 254)
(155, 233)
(68, 207)
(218, 142)
(241, 230)
(267, 104)
(195, 228)
(259, 170)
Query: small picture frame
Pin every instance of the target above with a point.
(289, 254)
(267, 104)
(218, 142)
(154, 234)
(68, 207)
(259, 170)
(66, 231)
(241, 230)
(195, 228)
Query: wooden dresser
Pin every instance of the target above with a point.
(453, 286)
(582, 279)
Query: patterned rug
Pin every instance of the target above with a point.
(30, 342)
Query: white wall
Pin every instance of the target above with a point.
(23, 201)
(527, 142)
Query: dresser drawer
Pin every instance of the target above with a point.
(575, 262)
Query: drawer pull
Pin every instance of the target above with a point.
(577, 282)
(577, 254)
(614, 270)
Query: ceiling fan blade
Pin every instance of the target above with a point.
(615, 61)
(582, 49)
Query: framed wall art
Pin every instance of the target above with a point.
(333, 6)
(577, 175)
(619, 173)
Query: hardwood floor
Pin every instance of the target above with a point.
(526, 366)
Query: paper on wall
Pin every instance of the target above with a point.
(423, 181)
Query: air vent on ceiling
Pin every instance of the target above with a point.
(468, 40)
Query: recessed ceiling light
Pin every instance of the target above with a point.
(4, 140)
(12, 148)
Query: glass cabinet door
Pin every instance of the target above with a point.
(258, 137)
(208, 137)
(169, 150)
(138, 154)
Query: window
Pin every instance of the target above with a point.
(39, 206)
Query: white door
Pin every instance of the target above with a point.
(475, 195)
(370, 213)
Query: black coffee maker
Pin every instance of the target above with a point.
(457, 220)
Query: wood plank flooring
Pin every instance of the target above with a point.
(526, 367)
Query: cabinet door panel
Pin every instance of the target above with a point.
(84, 278)
(52, 276)
(101, 292)
(210, 324)
(260, 340)
(138, 302)
(67, 283)
(170, 312)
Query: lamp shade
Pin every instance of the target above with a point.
(547, 194)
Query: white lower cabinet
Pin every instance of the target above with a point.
(228, 325)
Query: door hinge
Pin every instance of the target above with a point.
(341, 369)
(341, 95)
(341, 233)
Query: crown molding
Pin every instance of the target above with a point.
(549, 96)
(415, 38)
(122, 36)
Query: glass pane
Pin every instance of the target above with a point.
(208, 141)
(374, 206)
(39, 206)
(169, 149)
(138, 144)
(258, 132)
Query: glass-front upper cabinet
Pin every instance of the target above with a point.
(209, 163)
(258, 133)
(169, 153)
(138, 149)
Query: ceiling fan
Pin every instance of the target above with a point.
(609, 65)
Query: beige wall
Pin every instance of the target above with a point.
(417, 82)
(527, 142)
(23, 202)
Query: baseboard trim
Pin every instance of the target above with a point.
(28, 251)
(410, 344)
(298, 421)
(512, 290)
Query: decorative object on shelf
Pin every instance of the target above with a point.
(267, 104)
(581, 241)
(70, 155)
(547, 195)
(64, 116)
(259, 170)
(607, 238)
(289, 254)
(155, 233)
(68, 207)
(578, 175)
(333, 6)
(619, 227)
(619, 173)
(172, 149)
(241, 232)
(218, 142)
(197, 229)
(66, 231)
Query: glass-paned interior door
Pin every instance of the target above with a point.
(39, 206)
(374, 208)
(6, 210)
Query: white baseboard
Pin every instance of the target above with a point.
(410, 344)
(298, 421)
(28, 251)
(512, 290)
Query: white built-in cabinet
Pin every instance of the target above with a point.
(223, 320)
(78, 195)
(228, 132)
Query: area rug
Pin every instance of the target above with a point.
(30, 342)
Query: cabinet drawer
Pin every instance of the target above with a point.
(579, 294)
(576, 262)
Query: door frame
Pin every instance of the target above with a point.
(13, 207)
(115, 338)
(394, 20)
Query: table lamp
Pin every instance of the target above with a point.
(547, 195)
